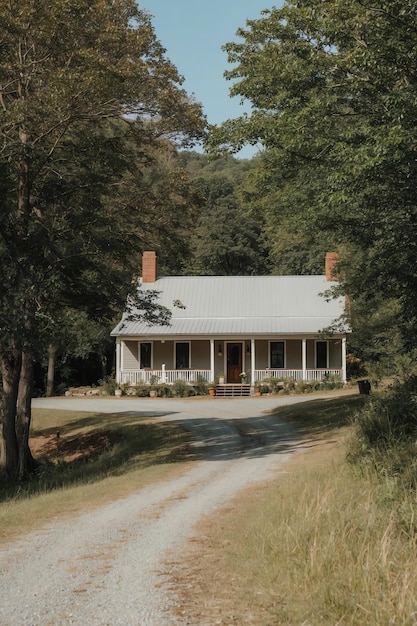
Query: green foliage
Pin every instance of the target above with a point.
(200, 386)
(287, 385)
(163, 390)
(201, 167)
(390, 415)
(354, 367)
(386, 431)
(108, 385)
(80, 115)
(226, 241)
(142, 390)
(330, 381)
(275, 384)
(332, 89)
(181, 389)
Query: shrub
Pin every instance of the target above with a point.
(163, 390)
(274, 384)
(108, 385)
(386, 430)
(200, 386)
(289, 384)
(355, 368)
(390, 415)
(142, 390)
(332, 381)
(304, 386)
(264, 389)
(181, 389)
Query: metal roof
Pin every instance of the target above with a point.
(240, 305)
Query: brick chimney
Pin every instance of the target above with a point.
(149, 267)
(332, 259)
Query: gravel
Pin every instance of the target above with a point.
(106, 567)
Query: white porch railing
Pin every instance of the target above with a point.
(296, 374)
(149, 377)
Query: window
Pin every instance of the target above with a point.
(277, 354)
(321, 355)
(182, 356)
(145, 355)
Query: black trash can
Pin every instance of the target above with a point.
(364, 387)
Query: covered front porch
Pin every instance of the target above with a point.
(228, 360)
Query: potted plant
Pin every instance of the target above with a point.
(221, 378)
(153, 391)
(212, 389)
(243, 377)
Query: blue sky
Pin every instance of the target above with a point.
(193, 32)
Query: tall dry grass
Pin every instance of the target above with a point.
(325, 544)
(333, 551)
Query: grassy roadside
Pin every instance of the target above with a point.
(320, 544)
(88, 459)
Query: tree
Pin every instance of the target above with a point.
(333, 88)
(67, 69)
(153, 202)
(226, 241)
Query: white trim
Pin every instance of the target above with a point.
(304, 357)
(212, 358)
(252, 360)
(118, 360)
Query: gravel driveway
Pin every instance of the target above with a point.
(106, 567)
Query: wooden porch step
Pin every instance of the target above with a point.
(229, 390)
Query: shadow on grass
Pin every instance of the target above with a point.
(116, 444)
(97, 446)
(322, 415)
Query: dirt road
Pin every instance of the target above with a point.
(106, 567)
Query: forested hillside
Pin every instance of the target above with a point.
(226, 238)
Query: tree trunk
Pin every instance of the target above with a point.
(26, 463)
(103, 366)
(51, 371)
(10, 369)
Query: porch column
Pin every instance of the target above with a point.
(211, 360)
(252, 362)
(344, 377)
(118, 360)
(304, 358)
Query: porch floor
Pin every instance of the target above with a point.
(232, 390)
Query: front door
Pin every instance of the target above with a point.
(234, 362)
